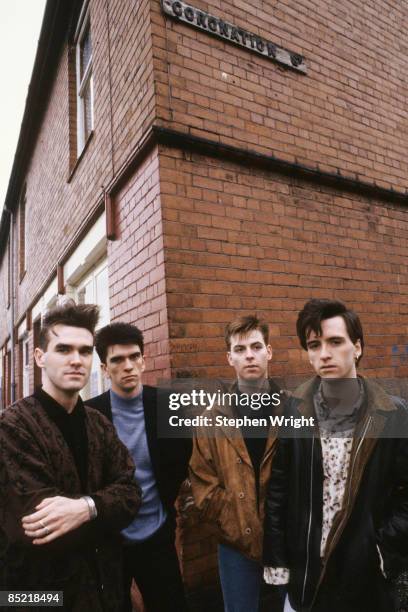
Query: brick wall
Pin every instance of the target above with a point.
(142, 58)
(239, 239)
(4, 294)
(347, 114)
(57, 202)
(202, 239)
(131, 72)
(136, 265)
(61, 190)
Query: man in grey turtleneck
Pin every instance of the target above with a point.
(150, 555)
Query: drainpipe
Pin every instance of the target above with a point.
(12, 299)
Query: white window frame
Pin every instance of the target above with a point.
(91, 276)
(100, 383)
(87, 79)
(46, 301)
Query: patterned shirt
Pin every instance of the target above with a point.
(336, 427)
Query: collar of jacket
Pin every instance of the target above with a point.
(234, 434)
(103, 404)
(377, 402)
(378, 407)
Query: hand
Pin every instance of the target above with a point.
(186, 504)
(55, 516)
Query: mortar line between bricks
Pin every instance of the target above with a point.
(203, 146)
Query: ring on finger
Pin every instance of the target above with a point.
(44, 526)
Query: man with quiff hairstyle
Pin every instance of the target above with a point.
(67, 485)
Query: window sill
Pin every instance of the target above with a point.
(78, 161)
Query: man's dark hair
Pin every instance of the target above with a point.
(244, 325)
(117, 333)
(71, 314)
(315, 311)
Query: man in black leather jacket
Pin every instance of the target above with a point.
(336, 527)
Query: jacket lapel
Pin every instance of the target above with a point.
(270, 445)
(304, 397)
(106, 405)
(378, 404)
(234, 435)
(150, 416)
(102, 403)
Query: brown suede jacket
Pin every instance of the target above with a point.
(224, 488)
(36, 463)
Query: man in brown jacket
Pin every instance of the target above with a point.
(67, 481)
(229, 470)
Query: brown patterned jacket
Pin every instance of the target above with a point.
(35, 463)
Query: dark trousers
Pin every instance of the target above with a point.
(155, 567)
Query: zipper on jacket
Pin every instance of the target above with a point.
(310, 523)
(348, 503)
(352, 470)
(355, 456)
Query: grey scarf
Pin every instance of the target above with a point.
(338, 421)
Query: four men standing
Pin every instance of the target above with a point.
(336, 524)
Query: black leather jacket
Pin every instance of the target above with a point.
(374, 512)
